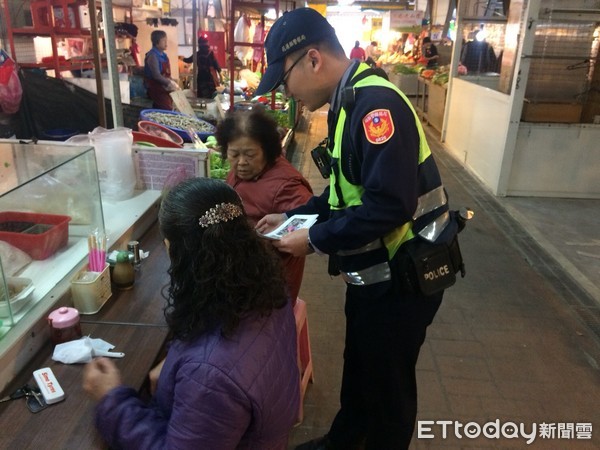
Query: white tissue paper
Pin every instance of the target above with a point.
(83, 350)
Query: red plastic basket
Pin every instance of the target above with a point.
(38, 235)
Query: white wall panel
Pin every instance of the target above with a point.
(556, 160)
(477, 126)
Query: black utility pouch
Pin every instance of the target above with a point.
(322, 159)
(434, 265)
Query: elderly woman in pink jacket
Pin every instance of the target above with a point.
(230, 379)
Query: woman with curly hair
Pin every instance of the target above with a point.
(230, 379)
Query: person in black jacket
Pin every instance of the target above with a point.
(208, 71)
(478, 56)
(430, 53)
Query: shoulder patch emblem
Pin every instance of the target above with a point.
(378, 125)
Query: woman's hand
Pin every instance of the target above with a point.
(269, 223)
(154, 375)
(99, 377)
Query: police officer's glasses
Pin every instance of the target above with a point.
(286, 74)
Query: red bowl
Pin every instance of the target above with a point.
(140, 137)
(145, 126)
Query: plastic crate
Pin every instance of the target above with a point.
(38, 235)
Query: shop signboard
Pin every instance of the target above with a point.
(405, 19)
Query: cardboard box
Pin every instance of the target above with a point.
(552, 112)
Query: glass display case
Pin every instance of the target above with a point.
(49, 204)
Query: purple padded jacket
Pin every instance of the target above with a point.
(214, 393)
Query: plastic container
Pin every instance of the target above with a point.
(64, 325)
(181, 132)
(60, 134)
(116, 171)
(38, 235)
(90, 290)
(151, 140)
(123, 274)
(22, 288)
(145, 126)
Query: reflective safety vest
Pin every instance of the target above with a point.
(429, 219)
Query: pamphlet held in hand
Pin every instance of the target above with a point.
(292, 224)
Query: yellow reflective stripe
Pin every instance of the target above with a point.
(396, 238)
(352, 193)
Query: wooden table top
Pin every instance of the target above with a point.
(134, 323)
(143, 304)
(69, 424)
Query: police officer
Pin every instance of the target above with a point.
(385, 192)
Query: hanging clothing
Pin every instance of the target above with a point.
(259, 38)
(478, 57)
(242, 34)
(11, 91)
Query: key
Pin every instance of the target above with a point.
(35, 401)
(19, 393)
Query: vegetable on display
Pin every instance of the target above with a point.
(219, 167)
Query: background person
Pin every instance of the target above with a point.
(263, 178)
(372, 53)
(157, 72)
(357, 52)
(478, 56)
(429, 53)
(230, 379)
(208, 71)
(382, 169)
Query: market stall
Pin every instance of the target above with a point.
(132, 320)
(59, 187)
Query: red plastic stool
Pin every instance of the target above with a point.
(304, 354)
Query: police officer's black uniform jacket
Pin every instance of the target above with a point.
(384, 185)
